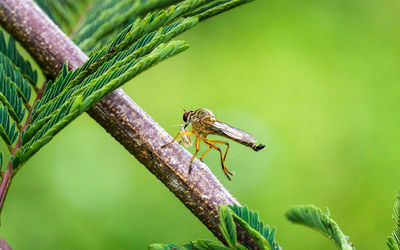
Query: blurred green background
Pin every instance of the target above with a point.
(316, 81)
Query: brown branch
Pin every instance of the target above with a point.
(200, 191)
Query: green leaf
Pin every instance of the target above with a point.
(63, 12)
(9, 97)
(393, 240)
(251, 218)
(53, 89)
(16, 77)
(159, 246)
(103, 20)
(392, 244)
(8, 131)
(216, 7)
(258, 238)
(106, 20)
(197, 245)
(208, 245)
(227, 226)
(24, 66)
(313, 217)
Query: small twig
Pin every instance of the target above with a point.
(5, 184)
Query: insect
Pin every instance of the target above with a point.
(203, 123)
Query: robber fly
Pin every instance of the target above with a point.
(204, 123)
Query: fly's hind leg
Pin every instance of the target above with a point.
(224, 168)
(221, 142)
(204, 154)
(180, 133)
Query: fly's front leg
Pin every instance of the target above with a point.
(180, 133)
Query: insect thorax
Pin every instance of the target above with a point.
(200, 127)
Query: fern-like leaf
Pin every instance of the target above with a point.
(393, 241)
(63, 12)
(227, 226)
(313, 217)
(248, 219)
(252, 218)
(9, 97)
(15, 91)
(107, 18)
(8, 130)
(23, 88)
(159, 246)
(209, 245)
(215, 7)
(195, 245)
(24, 66)
(53, 89)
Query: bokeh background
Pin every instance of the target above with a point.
(316, 81)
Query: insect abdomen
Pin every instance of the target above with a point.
(255, 147)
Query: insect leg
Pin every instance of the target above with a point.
(194, 155)
(224, 168)
(201, 158)
(180, 133)
(221, 142)
(197, 149)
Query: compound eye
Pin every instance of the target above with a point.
(185, 116)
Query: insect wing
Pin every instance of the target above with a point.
(186, 140)
(231, 132)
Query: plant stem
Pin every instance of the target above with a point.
(5, 183)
